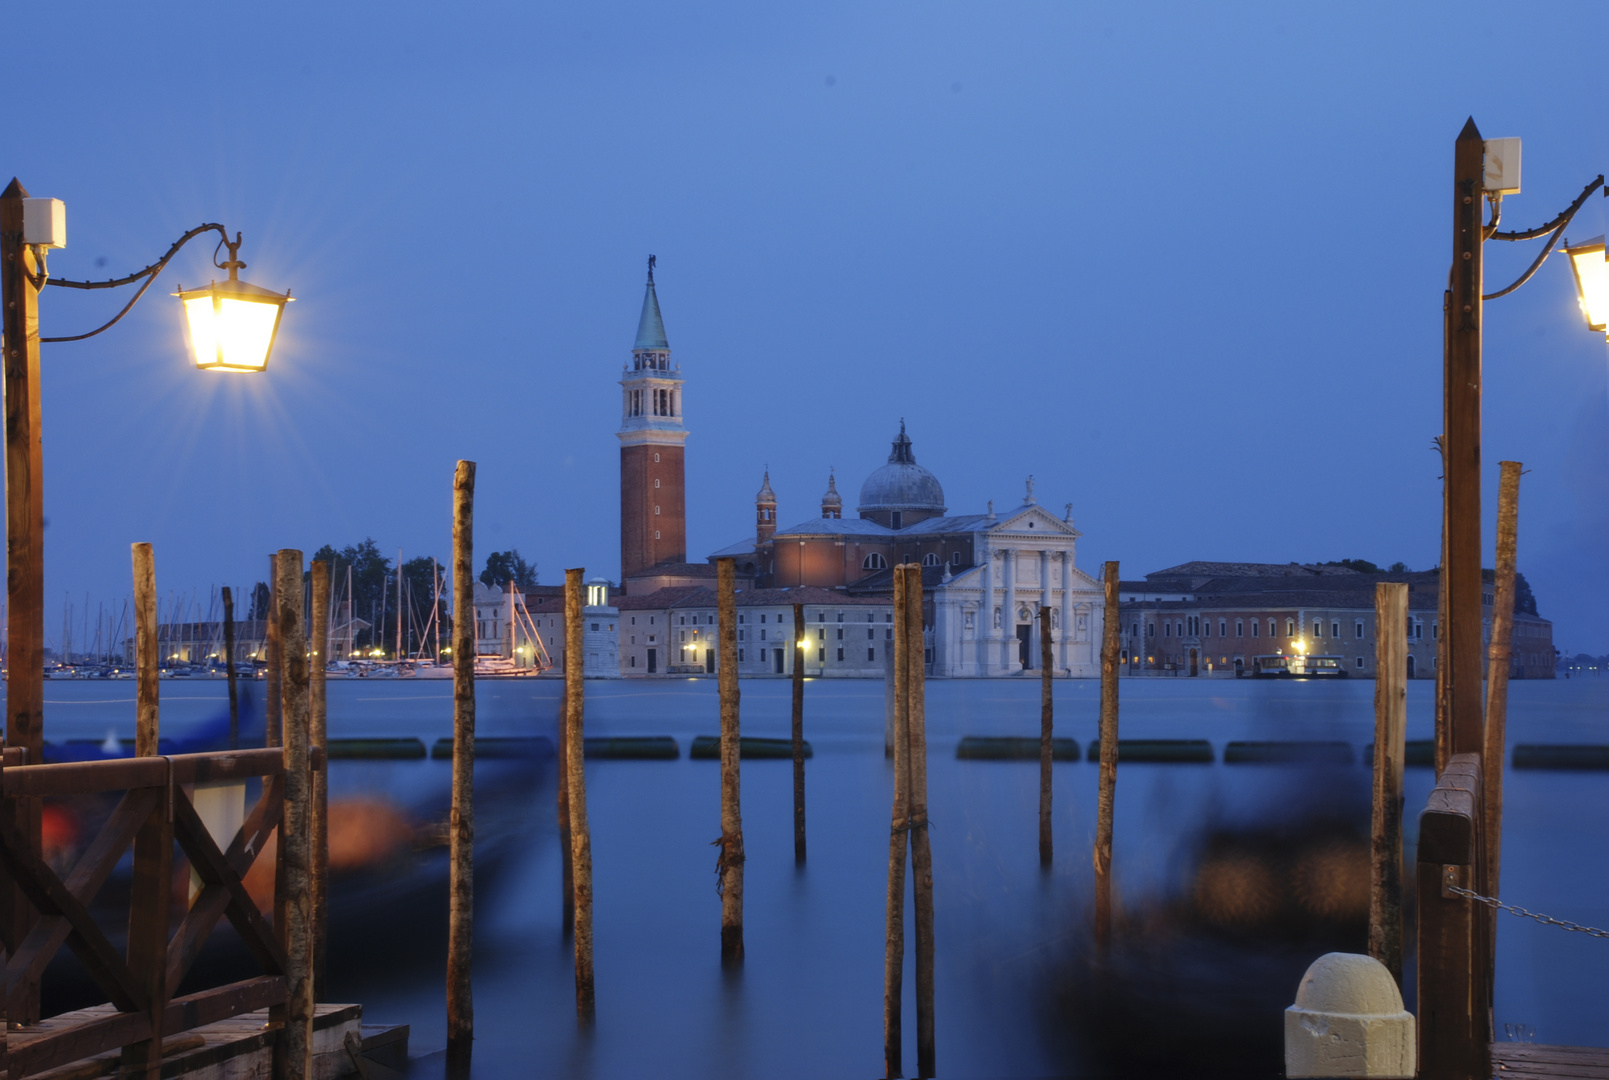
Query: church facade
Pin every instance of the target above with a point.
(986, 577)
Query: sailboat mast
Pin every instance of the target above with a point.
(435, 605)
(399, 605)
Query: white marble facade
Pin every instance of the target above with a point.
(986, 618)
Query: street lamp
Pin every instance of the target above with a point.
(230, 325)
(1587, 262)
(231, 330)
(1483, 172)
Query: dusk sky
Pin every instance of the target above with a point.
(1182, 263)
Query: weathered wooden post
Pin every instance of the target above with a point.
(1390, 725)
(1508, 510)
(921, 848)
(899, 830)
(729, 866)
(1047, 727)
(800, 650)
(575, 768)
(151, 888)
(25, 535)
(461, 838)
(1106, 800)
(1453, 1014)
(1442, 741)
(318, 734)
(273, 673)
(566, 855)
(229, 664)
(296, 1042)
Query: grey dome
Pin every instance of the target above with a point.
(902, 484)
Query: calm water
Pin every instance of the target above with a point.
(808, 1000)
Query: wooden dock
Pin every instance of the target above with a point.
(241, 1047)
(1527, 1061)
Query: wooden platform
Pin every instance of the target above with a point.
(1523, 1061)
(241, 1048)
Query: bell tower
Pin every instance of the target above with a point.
(653, 511)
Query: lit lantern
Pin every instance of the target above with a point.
(1591, 281)
(230, 325)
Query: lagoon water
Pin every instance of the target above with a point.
(807, 1002)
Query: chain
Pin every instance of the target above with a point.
(1546, 920)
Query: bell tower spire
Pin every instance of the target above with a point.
(653, 515)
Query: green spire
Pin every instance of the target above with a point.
(651, 328)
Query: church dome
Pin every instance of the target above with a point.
(902, 484)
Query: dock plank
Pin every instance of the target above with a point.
(1533, 1061)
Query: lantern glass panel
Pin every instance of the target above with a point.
(1592, 283)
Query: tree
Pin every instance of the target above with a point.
(505, 566)
(1524, 598)
(417, 592)
(371, 574)
(259, 602)
(1398, 567)
(1362, 566)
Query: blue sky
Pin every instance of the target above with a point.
(1183, 263)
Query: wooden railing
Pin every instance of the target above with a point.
(1455, 937)
(154, 813)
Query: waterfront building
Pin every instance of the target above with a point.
(673, 632)
(1202, 618)
(985, 577)
(503, 625)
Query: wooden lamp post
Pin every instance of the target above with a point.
(231, 327)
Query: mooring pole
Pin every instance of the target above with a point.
(151, 887)
(899, 831)
(575, 767)
(1106, 800)
(800, 651)
(273, 674)
(729, 866)
(318, 737)
(1047, 729)
(461, 837)
(921, 849)
(296, 1049)
(566, 855)
(1390, 724)
(1501, 651)
(229, 664)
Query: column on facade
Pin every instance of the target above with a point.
(1045, 600)
(1008, 610)
(1067, 622)
(984, 632)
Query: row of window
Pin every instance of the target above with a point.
(1196, 626)
(876, 561)
(642, 402)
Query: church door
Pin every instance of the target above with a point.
(709, 661)
(1024, 653)
(778, 660)
(653, 661)
(1193, 663)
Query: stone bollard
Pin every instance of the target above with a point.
(1348, 1020)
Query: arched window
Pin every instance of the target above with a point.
(930, 559)
(874, 561)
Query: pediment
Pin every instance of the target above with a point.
(1034, 520)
